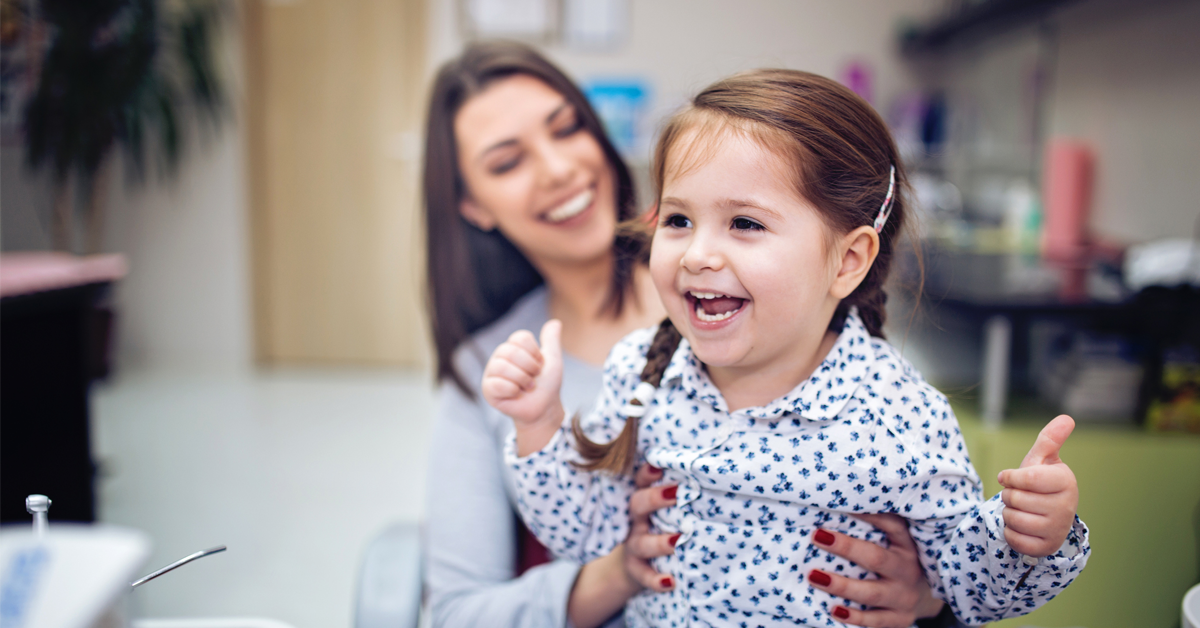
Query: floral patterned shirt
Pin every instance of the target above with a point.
(863, 434)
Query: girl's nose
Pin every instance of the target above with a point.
(702, 254)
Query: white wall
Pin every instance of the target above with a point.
(680, 46)
(186, 301)
(25, 203)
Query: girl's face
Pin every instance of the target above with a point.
(533, 172)
(745, 266)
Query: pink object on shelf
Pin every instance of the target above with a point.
(1067, 198)
(24, 273)
(857, 76)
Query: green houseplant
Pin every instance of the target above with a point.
(117, 74)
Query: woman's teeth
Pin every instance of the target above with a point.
(573, 207)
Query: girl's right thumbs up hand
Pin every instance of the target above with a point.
(523, 380)
(1041, 497)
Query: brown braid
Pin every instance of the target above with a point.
(619, 455)
(871, 300)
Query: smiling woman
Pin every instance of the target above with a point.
(522, 144)
(521, 187)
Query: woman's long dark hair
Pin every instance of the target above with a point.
(475, 276)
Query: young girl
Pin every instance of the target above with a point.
(781, 411)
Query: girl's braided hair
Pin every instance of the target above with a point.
(619, 455)
(840, 153)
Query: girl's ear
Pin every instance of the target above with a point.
(858, 251)
(473, 213)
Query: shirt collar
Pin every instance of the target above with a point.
(821, 397)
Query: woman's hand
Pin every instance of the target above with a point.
(641, 545)
(606, 584)
(899, 597)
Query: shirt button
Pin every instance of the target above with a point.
(688, 526)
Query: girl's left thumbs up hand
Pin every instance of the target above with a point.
(1041, 497)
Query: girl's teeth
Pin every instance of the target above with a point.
(712, 318)
(572, 207)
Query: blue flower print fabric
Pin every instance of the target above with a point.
(864, 434)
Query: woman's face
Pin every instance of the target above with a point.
(535, 173)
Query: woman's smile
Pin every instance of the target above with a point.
(574, 206)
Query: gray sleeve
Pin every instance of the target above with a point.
(470, 532)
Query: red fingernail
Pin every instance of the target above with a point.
(653, 469)
(674, 539)
(669, 492)
(840, 612)
(823, 537)
(819, 577)
(665, 582)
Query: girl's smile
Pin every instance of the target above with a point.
(711, 308)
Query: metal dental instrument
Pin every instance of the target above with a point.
(179, 563)
(37, 505)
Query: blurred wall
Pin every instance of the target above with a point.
(25, 203)
(679, 46)
(186, 301)
(1127, 80)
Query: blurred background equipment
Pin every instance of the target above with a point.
(78, 576)
(52, 345)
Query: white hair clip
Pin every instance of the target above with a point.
(643, 396)
(886, 210)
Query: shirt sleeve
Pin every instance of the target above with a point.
(577, 514)
(470, 533)
(961, 537)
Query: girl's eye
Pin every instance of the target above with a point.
(745, 224)
(677, 221)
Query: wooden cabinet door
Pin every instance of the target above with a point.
(335, 101)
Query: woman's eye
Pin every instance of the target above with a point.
(677, 221)
(745, 224)
(505, 166)
(568, 129)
